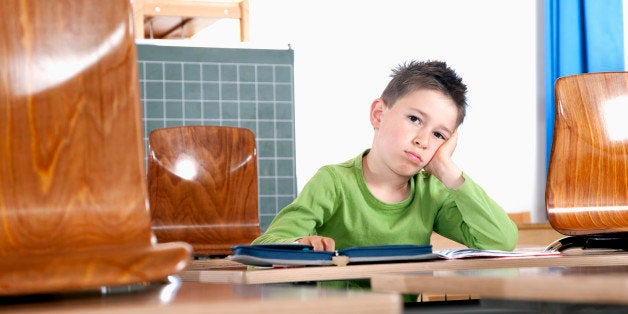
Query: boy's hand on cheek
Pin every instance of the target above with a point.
(443, 167)
(319, 243)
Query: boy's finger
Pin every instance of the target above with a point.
(329, 244)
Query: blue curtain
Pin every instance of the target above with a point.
(581, 36)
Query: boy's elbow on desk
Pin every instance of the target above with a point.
(503, 239)
(510, 238)
(510, 245)
(505, 243)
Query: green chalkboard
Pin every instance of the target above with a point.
(250, 88)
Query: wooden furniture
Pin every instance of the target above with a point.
(202, 183)
(72, 182)
(587, 183)
(222, 274)
(191, 297)
(581, 284)
(162, 19)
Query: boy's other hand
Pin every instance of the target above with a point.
(319, 243)
(443, 167)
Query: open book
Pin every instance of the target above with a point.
(475, 253)
(267, 255)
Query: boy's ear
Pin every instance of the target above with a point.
(377, 109)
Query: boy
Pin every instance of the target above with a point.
(406, 185)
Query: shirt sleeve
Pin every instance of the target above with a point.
(469, 216)
(314, 204)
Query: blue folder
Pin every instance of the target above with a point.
(267, 255)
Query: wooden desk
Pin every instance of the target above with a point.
(193, 297)
(365, 271)
(585, 284)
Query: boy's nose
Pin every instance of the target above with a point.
(420, 141)
(422, 138)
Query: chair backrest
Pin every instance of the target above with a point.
(587, 182)
(73, 197)
(203, 189)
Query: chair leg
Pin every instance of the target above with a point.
(617, 241)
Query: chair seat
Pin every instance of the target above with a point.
(73, 195)
(202, 186)
(587, 182)
(71, 270)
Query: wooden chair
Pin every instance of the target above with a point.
(73, 197)
(587, 183)
(202, 183)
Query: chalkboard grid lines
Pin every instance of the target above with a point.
(254, 96)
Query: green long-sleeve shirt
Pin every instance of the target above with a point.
(336, 203)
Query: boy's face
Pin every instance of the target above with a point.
(408, 134)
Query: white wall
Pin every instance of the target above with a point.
(345, 49)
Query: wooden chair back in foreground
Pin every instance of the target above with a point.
(587, 183)
(202, 186)
(73, 197)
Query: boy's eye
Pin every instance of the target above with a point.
(439, 135)
(414, 119)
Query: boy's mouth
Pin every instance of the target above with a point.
(415, 158)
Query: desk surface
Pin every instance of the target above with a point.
(365, 271)
(194, 297)
(579, 284)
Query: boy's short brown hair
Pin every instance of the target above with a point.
(433, 75)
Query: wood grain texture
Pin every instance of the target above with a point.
(202, 183)
(72, 183)
(365, 271)
(581, 284)
(587, 183)
(194, 297)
